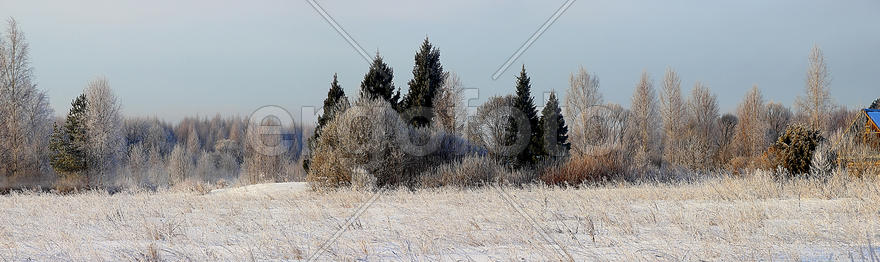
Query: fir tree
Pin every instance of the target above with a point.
(555, 131)
(428, 77)
(335, 102)
(526, 104)
(68, 144)
(379, 83)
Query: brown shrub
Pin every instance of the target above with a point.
(585, 169)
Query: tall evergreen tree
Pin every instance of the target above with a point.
(335, 102)
(68, 144)
(526, 104)
(555, 131)
(379, 83)
(428, 77)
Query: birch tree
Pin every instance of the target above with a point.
(449, 106)
(752, 127)
(581, 103)
(25, 115)
(702, 128)
(106, 143)
(672, 110)
(643, 126)
(816, 102)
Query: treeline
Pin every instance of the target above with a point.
(423, 136)
(384, 139)
(95, 146)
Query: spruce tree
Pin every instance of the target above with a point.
(555, 132)
(335, 102)
(379, 83)
(526, 104)
(428, 77)
(68, 144)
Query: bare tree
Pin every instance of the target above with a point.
(582, 103)
(490, 127)
(106, 143)
(726, 136)
(180, 165)
(673, 112)
(25, 115)
(751, 139)
(193, 144)
(816, 103)
(702, 129)
(643, 127)
(449, 106)
(778, 118)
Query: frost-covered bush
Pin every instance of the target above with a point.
(370, 137)
(362, 137)
(472, 171)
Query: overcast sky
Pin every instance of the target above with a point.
(180, 58)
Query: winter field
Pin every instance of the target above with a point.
(725, 218)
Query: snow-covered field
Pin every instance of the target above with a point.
(751, 218)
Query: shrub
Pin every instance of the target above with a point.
(371, 139)
(473, 171)
(361, 137)
(794, 149)
(823, 162)
(586, 169)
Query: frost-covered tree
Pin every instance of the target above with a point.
(335, 103)
(643, 127)
(702, 128)
(583, 102)
(449, 108)
(25, 115)
(268, 154)
(751, 132)
(180, 165)
(672, 111)
(193, 143)
(106, 143)
(490, 128)
(816, 103)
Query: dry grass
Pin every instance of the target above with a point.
(743, 218)
(585, 169)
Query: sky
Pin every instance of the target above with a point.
(173, 59)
